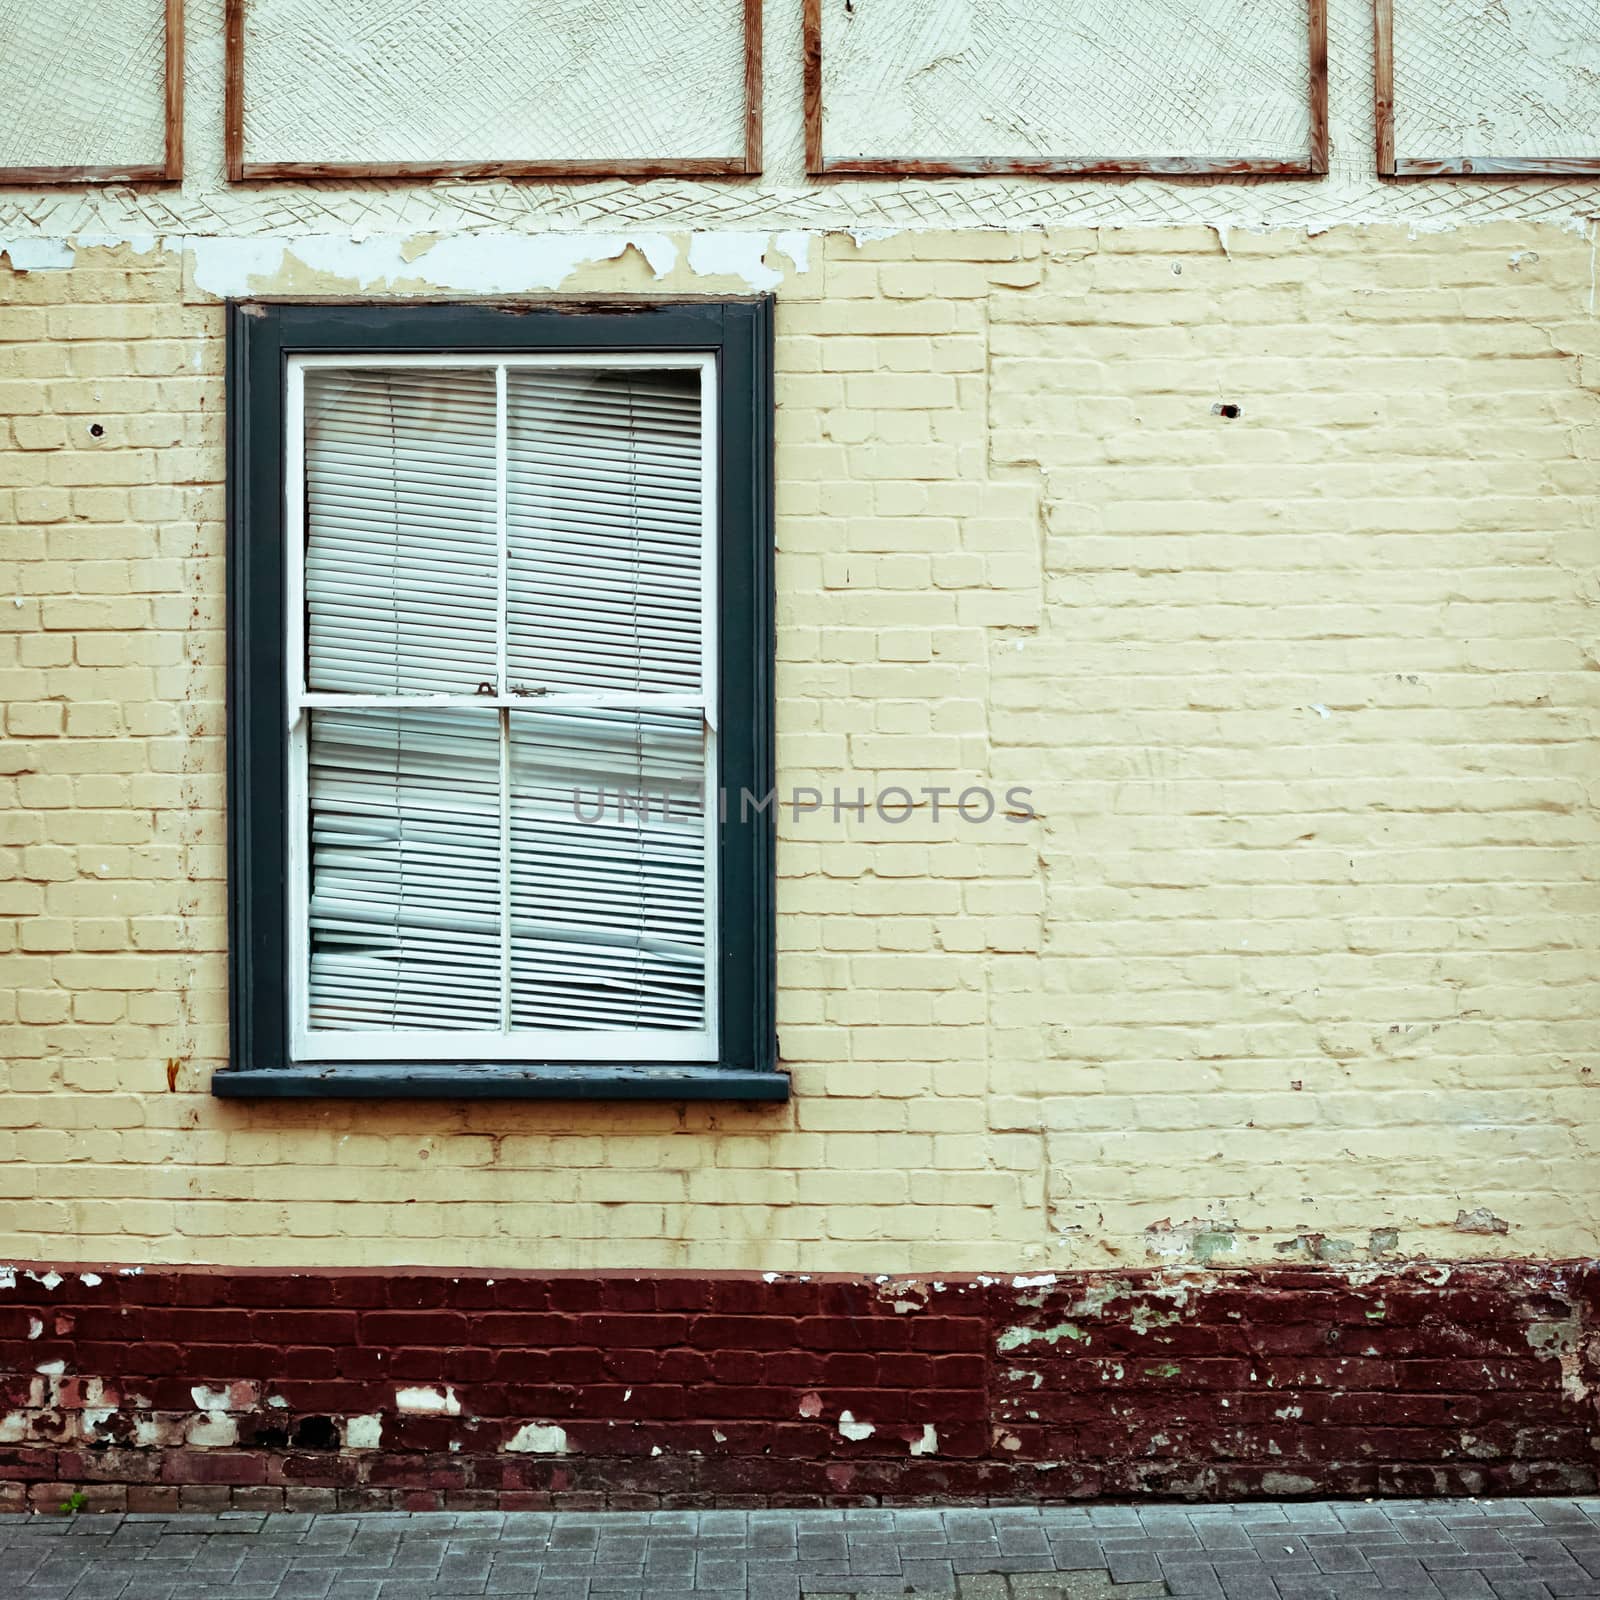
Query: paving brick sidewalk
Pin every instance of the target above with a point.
(1513, 1549)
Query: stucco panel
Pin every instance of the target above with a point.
(82, 89)
(1087, 78)
(420, 81)
(1516, 78)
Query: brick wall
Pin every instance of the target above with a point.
(161, 1389)
(1297, 963)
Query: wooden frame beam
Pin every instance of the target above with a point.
(1391, 164)
(747, 164)
(168, 170)
(1313, 165)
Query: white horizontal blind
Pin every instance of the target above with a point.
(402, 562)
(502, 743)
(405, 882)
(608, 899)
(603, 522)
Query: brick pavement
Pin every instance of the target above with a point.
(1458, 1549)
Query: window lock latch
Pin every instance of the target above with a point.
(523, 690)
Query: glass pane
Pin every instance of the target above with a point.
(608, 870)
(402, 553)
(604, 530)
(405, 869)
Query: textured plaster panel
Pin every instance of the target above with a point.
(431, 80)
(964, 78)
(783, 197)
(1297, 962)
(82, 88)
(1497, 78)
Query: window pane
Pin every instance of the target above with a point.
(402, 557)
(608, 870)
(604, 529)
(405, 869)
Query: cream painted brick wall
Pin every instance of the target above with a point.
(1299, 958)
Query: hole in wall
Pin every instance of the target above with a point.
(1226, 408)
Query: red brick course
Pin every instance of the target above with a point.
(198, 1388)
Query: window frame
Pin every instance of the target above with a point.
(262, 336)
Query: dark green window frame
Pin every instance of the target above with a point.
(261, 338)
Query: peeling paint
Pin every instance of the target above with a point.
(1197, 1240)
(733, 255)
(216, 1430)
(363, 1432)
(1481, 1220)
(38, 255)
(928, 1444)
(811, 1404)
(464, 264)
(797, 246)
(540, 1439)
(855, 1431)
(1562, 1339)
(427, 1402)
(1017, 1338)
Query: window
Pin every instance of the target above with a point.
(500, 633)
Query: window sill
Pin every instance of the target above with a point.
(345, 1080)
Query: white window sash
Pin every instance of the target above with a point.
(642, 1046)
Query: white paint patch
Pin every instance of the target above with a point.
(210, 1399)
(811, 1404)
(140, 244)
(427, 1402)
(928, 1444)
(50, 1280)
(216, 1430)
(1044, 1281)
(363, 1433)
(35, 1327)
(1322, 711)
(464, 264)
(849, 1428)
(51, 1369)
(797, 246)
(540, 1439)
(90, 1418)
(733, 255)
(8, 1277)
(38, 255)
(90, 1280)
